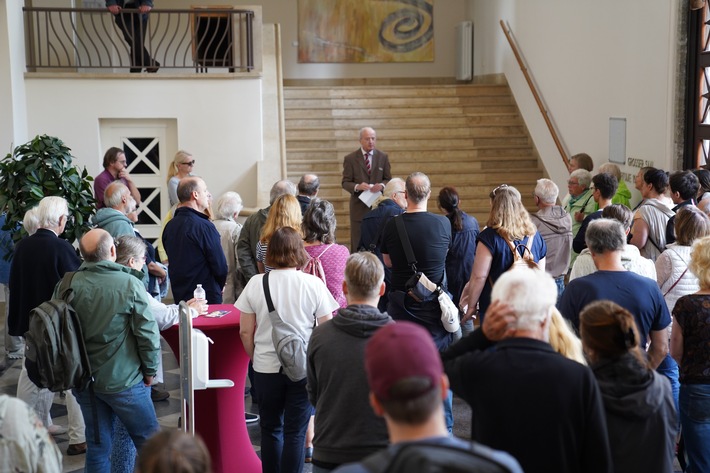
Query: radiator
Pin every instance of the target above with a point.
(464, 50)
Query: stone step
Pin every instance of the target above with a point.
(380, 124)
(418, 154)
(430, 133)
(425, 165)
(442, 174)
(404, 102)
(367, 115)
(390, 145)
(292, 93)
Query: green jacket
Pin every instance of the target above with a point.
(622, 196)
(121, 335)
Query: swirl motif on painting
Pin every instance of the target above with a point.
(408, 28)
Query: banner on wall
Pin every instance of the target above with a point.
(359, 31)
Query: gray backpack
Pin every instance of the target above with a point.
(55, 355)
(291, 347)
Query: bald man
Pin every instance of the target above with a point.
(123, 345)
(365, 169)
(193, 245)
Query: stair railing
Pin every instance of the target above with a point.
(541, 105)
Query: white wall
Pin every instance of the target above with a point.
(226, 144)
(591, 61)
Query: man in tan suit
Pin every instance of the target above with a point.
(365, 169)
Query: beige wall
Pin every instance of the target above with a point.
(591, 61)
(447, 13)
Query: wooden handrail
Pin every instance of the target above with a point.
(536, 94)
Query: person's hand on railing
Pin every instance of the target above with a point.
(115, 9)
(144, 8)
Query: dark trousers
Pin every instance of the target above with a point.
(134, 26)
(284, 410)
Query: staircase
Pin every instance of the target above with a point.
(471, 137)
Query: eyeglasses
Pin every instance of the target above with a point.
(189, 163)
(572, 183)
(493, 192)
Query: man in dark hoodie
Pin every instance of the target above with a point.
(346, 428)
(555, 227)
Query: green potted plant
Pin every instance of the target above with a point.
(40, 168)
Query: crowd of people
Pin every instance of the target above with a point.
(565, 319)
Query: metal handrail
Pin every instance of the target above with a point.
(91, 39)
(536, 94)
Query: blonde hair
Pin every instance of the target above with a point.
(508, 215)
(284, 212)
(700, 262)
(563, 339)
(174, 167)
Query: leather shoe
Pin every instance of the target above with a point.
(76, 448)
(154, 68)
(156, 395)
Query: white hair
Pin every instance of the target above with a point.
(31, 220)
(547, 191)
(50, 211)
(229, 204)
(531, 293)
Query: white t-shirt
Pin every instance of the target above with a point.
(299, 300)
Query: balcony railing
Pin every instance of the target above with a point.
(94, 40)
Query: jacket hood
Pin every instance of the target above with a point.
(360, 320)
(628, 389)
(106, 215)
(556, 218)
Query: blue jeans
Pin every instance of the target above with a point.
(695, 419)
(560, 281)
(133, 408)
(669, 369)
(449, 411)
(284, 410)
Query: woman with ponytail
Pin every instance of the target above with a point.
(640, 412)
(464, 231)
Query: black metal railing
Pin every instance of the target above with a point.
(94, 40)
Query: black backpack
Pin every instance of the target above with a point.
(433, 457)
(55, 354)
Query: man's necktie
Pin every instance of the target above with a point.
(367, 162)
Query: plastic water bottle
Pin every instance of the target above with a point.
(201, 297)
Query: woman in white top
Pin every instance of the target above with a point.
(182, 166)
(674, 277)
(649, 229)
(302, 301)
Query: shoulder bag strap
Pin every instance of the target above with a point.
(528, 246)
(326, 249)
(378, 236)
(676, 283)
(267, 293)
(65, 287)
(406, 245)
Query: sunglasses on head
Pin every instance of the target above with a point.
(493, 192)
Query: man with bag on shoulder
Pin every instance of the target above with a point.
(430, 238)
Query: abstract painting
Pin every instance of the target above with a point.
(340, 31)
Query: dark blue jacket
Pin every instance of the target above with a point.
(459, 260)
(195, 254)
(371, 231)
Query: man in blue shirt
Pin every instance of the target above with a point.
(193, 245)
(639, 295)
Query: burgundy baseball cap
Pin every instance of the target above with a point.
(399, 351)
